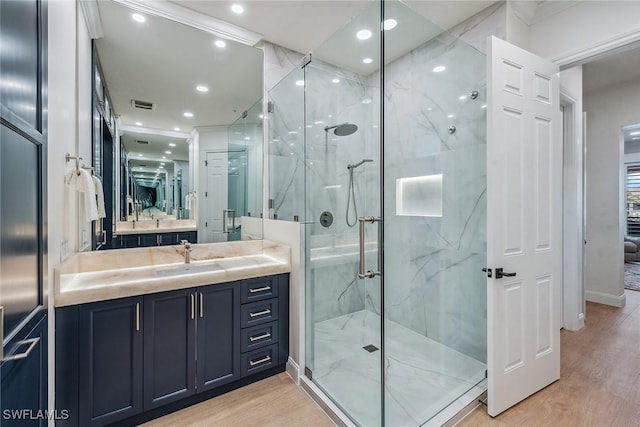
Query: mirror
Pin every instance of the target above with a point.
(184, 111)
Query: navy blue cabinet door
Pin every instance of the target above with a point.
(110, 361)
(24, 379)
(218, 335)
(169, 347)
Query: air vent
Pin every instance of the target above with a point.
(145, 105)
(139, 141)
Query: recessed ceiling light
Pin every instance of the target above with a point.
(162, 163)
(188, 114)
(167, 152)
(201, 88)
(299, 82)
(335, 81)
(429, 109)
(293, 132)
(439, 69)
(172, 144)
(247, 138)
(139, 154)
(236, 8)
(366, 101)
(462, 97)
(164, 157)
(161, 167)
(635, 133)
(364, 34)
(389, 24)
(138, 124)
(220, 43)
(176, 129)
(451, 116)
(138, 18)
(318, 122)
(367, 60)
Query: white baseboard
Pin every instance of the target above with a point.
(607, 299)
(293, 370)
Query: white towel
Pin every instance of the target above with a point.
(100, 196)
(84, 183)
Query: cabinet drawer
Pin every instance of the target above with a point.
(259, 312)
(259, 336)
(259, 360)
(259, 289)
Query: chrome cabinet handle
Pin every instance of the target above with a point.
(260, 337)
(201, 305)
(260, 313)
(193, 306)
(137, 316)
(254, 290)
(224, 220)
(361, 273)
(32, 344)
(258, 362)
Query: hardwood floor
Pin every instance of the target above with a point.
(274, 402)
(599, 386)
(600, 376)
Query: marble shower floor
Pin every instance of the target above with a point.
(422, 375)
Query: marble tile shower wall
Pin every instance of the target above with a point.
(433, 279)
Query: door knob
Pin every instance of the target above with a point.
(500, 274)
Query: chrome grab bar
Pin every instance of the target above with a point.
(32, 344)
(361, 273)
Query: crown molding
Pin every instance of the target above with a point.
(209, 24)
(91, 15)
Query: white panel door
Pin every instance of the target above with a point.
(216, 197)
(524, 229)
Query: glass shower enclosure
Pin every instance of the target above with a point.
(381, 144)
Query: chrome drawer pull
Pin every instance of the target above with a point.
(257, 362)
(260, 313)
(32, 344)
(260, 337)
(266, 288)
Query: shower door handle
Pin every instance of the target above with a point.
(361, 273)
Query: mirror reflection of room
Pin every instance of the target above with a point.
(167, 98)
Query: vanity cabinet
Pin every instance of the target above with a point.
(125, 241)
(110, 351)
(132, 357)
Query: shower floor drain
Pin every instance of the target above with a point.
(370, 348)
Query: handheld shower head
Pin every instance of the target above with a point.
(360, 163)
(343, 129)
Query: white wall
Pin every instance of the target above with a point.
(585, 25)
(608, 109)
(573, 149)
(69, 130)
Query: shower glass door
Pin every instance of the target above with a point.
(434, 156)
(342, 169)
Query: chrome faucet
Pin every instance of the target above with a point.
(187, 251)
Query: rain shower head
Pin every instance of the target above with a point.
(343, 129)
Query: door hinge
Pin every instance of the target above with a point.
(206, 224)
(206, 163)
(206, 194)
(270, 107)
(488, 271)
(308, 373)
(306, 60)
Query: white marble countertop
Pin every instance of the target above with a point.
(103, 275)
(151, 226)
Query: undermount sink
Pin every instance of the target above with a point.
(188, 269)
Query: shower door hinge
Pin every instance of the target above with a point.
(270, 107)
(306, 60)
(308, 373)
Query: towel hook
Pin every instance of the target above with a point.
(68, 157)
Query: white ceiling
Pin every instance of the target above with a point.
(304, 25)
(162, 61)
